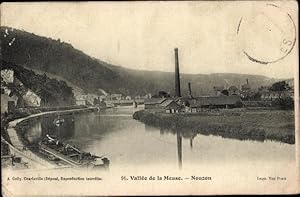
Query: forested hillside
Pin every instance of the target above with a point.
(90, 74)
(51, 91)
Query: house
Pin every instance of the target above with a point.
(147, 96)
(199, 103)
(163, 104)
(102, 98)
(81, 99)
(272, 95)
(31, 99)
(114, 97)
(266, 95)
(170, 106)
(154, 103)
(7, 76)
(87, 99)
(218, 89)
(81, 102)
(120, 103)
(8, 103)
(233, 90)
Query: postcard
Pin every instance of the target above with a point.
(149, 98)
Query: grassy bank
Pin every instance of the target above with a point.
(247, 125)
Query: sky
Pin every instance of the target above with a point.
(212, 37)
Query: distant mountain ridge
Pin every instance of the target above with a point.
(90, 74)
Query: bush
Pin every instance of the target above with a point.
(286, 103)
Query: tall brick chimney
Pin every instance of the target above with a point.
(177, 76)
(190, 89)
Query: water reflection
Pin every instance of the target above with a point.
(179, 149)
(34, 132)
(179, 136)
(190, 135)
(191, 142)
(48, 125)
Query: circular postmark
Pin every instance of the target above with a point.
(267, 34)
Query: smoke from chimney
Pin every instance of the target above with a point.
(247, 81)
(177, 77)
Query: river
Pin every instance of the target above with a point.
(129, 143)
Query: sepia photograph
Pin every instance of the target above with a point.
(149, 98)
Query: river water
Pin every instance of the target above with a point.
(129, 143)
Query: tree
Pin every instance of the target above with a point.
(286, 103)
(280, 86)
(225, 92)
(161, 94)
(256, 96)
(96, 101)
(186, 103)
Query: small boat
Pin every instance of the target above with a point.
(57, 150)
(58, 121)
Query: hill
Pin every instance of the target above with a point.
(26, 84)
(61, 59)
(76, 89)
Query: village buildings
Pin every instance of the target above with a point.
(233, 90)
(212, 102)
(224, 97)
(162, 104)
(218, 90)
(272, 95)
(195, 104)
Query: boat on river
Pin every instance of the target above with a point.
(58, 121)
(56, 150)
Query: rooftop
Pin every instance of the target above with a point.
(214, 100)
(150, 101)
(167, 102)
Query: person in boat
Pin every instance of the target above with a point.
(53, 141)
(50, 139)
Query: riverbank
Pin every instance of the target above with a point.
(17, 143)
(246, 125)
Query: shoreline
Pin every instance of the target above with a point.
(248, 125)
(17, 145)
